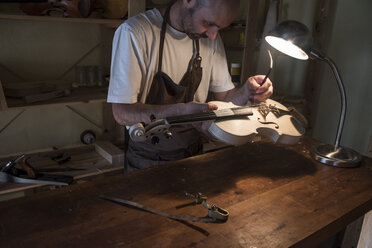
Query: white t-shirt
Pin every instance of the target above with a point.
(135, 58)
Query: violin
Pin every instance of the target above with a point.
(232, 124)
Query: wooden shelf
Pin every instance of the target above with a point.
(78, 95)
(20, 17)
(134, 7)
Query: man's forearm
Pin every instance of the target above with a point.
(238, 96)
(128, 114)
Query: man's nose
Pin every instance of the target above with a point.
(212, 32)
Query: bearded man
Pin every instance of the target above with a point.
(165, 63)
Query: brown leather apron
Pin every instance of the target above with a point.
(185, 141)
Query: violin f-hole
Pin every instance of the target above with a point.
(268, 122)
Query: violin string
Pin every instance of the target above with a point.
(191, 117)
(203, 116)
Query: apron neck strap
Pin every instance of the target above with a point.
(162, 37)
(197, 56)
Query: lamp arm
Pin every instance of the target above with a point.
(314, 53)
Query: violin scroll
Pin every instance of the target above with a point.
(139, 132)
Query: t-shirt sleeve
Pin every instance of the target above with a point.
(126, 72)
(220, 76)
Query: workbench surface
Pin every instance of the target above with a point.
(277, 196)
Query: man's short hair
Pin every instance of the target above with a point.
(201, 3)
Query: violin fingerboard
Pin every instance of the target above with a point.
(239, 111)
(242, 111)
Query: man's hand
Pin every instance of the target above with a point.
(257, 92)
(249, 91)
(195, 107)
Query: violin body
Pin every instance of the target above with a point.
(270, 119)
(231, 124)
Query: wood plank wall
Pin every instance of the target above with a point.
(324, 16)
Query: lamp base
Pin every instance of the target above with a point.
(338, 157)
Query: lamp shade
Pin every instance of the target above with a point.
(292, 38)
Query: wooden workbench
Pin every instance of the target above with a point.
(277, 196)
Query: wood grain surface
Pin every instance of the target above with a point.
(277, 196)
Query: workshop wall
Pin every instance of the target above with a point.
(45, 128)
(350, 48)
(289, 74)
(33, 51)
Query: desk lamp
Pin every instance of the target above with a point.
(294, 39)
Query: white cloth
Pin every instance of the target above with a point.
(135, 56)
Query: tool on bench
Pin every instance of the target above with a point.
(215, 214)
(11, 164)
(214, 211)
(10, 174)
(62, 169)
(61, 158)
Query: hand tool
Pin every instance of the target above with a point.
(215, 214)
(11, 164)
(271, 67)
(10, 174)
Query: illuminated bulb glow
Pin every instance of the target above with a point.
(286, 47)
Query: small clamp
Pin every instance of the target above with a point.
(214, 211)
(199, 197)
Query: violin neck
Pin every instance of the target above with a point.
(217, 115)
